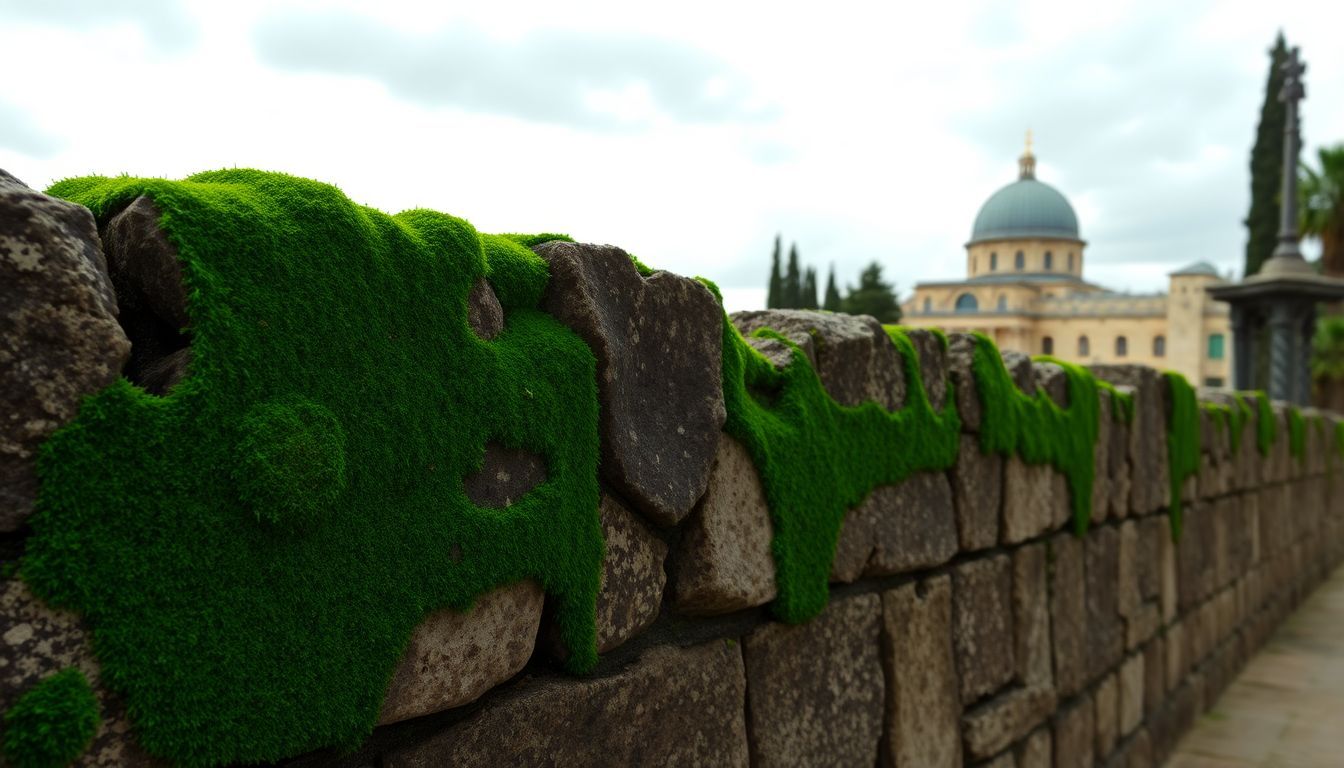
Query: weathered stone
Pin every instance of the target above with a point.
(1006, 760)
(1167, 586)
(898, 528)
(1068, 610)
(932, 350)
(1074, 736)
(1148, 446)
(158, 377)
(1035, 500)
(815, 691)
(455, 656)
(658, 343)
(1105, 632)
(1031, 617)
(994, 725)
(923, 710)
(632, 576)
(1142, 616)
(674, 706)
(1101, 476)
(485, 315)
(505, 476)
(977, 492)
(1138, 752)
(1019, 370)
(1106, 721)
(1050, 378)
(982, 628)
(1177, 661)
(852, 355)
(1036, 751)
(59, 336)
(723, 562)
(960, 361)
(36, 642)
(1117, 459)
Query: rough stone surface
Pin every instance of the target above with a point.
(977, 492)
(1148, 447)
(994, 725)
(982, 625)
(506, 474)
(658, 343)
(158, 377)
(485, 315)
(674, 706)
(960, 356)
(59, 335)
(923, 709)
(1068, 611)
(1036, 751)
(1105, 631)
(36, 642)
(1074, 736)
(1101, 460)
(1131, 694)
(815, 691)
(932, 363)
(632, 576)
(455, 656)
(723, 562)
(1031, 616)
(1035, 500)
(898, 528)
(1106, 703)
(852, 355)
(1154, 675)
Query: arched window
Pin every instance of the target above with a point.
(993, 261)
(1070, 261)
(1003, 303)
(928, 304)
(1121, 346)
(1049, 261)
(1159, 346)
(1084, 348)
(967, 303)
(1019, 261)
(1047, 346)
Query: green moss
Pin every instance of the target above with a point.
(1183, 443)
(249, 620)
(1239, 415)
(1266, 425)
(52, 724)
(1122, 403)
(1297, 434)
(640, 267)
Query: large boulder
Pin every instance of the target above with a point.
(658, 341)
(59, 336)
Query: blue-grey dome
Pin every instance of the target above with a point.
(1025, 208)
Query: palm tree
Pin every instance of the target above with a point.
(1321, 191)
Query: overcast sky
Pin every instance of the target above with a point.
(690, 133)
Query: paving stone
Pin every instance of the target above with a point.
(658, 342)
(1031, 616)
(815, 691)
(455, 656)
(1068, 611)
(923, 712)
(1074, 740)
(723, 562)
(898, 528)
(994, 725)
(673, 706)
(982, 628)
(632, 576)
(1106, 717)
(977, 485)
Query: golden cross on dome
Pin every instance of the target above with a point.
(1028, 141)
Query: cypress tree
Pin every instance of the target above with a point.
(793, 281)
(1262, 222)
(833, 300)
(809, 299)
(772, 295)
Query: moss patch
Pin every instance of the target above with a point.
(252, 551)
(1297, 434)
(52, 724)
(1183, 443)
(1266, 425)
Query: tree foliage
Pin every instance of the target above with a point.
(873, 296)
(774, 295)
(1262, 221)
(833, 301)
(1321, 190)
(793, 281)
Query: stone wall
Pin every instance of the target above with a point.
(968, 623)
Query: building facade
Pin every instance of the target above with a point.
(1024, 288)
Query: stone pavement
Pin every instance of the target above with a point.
(1286, 708)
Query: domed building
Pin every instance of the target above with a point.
(1024, 288)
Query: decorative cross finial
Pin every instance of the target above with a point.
(1287, 256)
(1026, 164)
(1028, 141)
(1293, 69)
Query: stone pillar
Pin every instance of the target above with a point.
(1243, 348)
(1281, 348)
(1303, 361)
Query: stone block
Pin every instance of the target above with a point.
(485, 314)
(1105, 632)
(1068, 610)
(982, 628)
(1037, 751)
(1131, 678)
(1074, 740)
(1154, 675)
(815, 691)
(723, 561)
(632, 576)
(453, 657)
(1168, 593)
(923, 712)
(898, 528)
(960, 358)
(1106, 719)
(673, 706)
(1031, 616)
(1135, 753)
(658, 342)
(932, 350)
(1148, 446)
(1035, 500)
(977, 491)
(1006, 760)
(992, 726)
(1178, 662)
